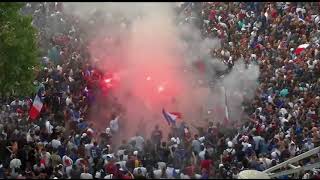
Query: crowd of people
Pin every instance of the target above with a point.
(282, 121)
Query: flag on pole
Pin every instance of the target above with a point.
(226, 117)
(301, 48)
(171, 117)
(36, 106)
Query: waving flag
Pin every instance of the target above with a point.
(37, 105)
(301, 48)
(171, 117)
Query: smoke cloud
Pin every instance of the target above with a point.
(152, 55)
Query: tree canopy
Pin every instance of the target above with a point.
(18, 51)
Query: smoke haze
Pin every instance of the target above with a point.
(152, 55)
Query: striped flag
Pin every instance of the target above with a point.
(171, 117)
(36, 106)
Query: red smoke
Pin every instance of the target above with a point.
(150, 67)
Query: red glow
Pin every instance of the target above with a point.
(154, 82)
(108, 83)
(108, 80)
(160, 89)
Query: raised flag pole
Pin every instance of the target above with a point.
(226, 104)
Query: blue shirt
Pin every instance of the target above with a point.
(205, 176)
(279, 103)
(82, 125)
(95, 152)
(2, 174)
(61, 151)
(76, 114)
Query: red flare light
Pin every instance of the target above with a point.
(108, 80)
(160, 89)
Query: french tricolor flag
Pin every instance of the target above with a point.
(301, 48)
(171, 117)
(36, 106)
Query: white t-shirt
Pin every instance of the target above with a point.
(169, 172)
(109, 176)
(231, 150)
(201, 154)
(283, 111)
(15, 163)
(19, 103)
(55, 143)
(68, 171)
(293, 150)
(49, 127)
(120, 152)
(245, 146)
(68, 101)
(29, 138)
(143, 171)
(114, 126)
(161, 165)
(197, 176)
(306, 176)
(184, 176)
(266, 161)
(157, 173)
(86, 176)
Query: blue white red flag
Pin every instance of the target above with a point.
(171, 117)
(36, 106)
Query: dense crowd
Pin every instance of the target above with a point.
(283, 114)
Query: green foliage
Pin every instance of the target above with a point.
(18, 51)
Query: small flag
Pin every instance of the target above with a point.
(36, 106)
(301, 48)
(171, 117)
